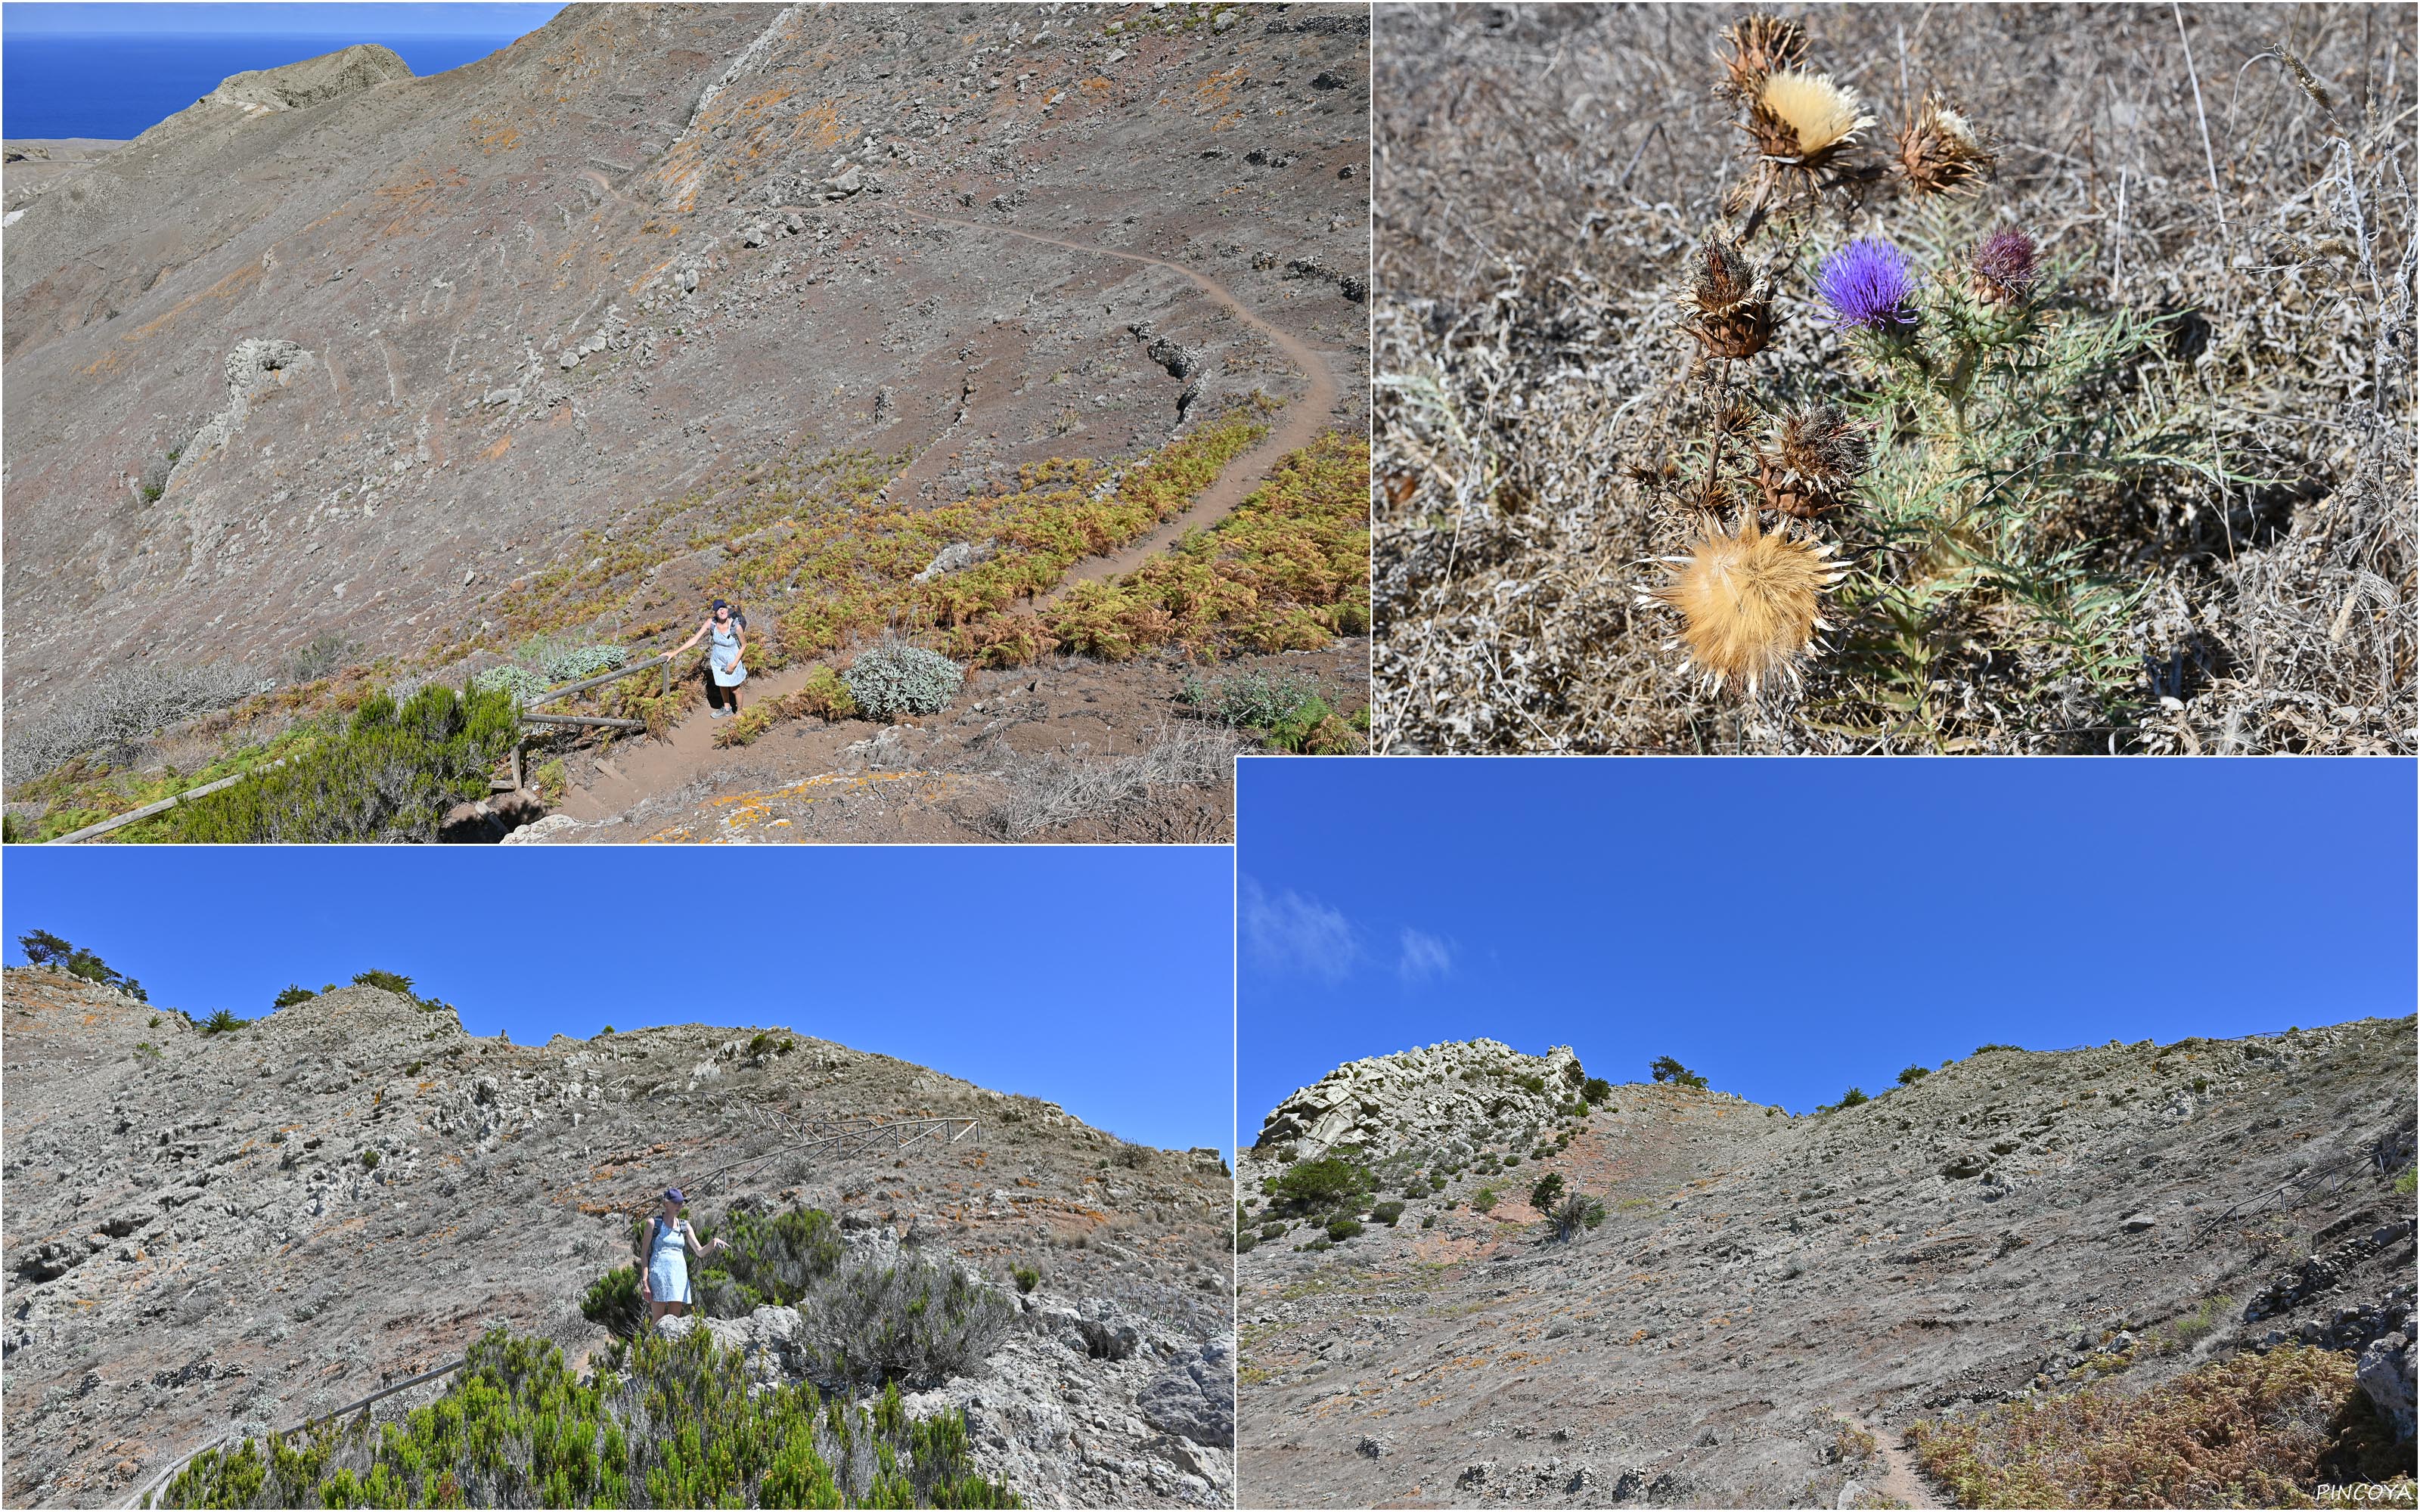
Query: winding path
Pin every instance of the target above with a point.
(639, 768)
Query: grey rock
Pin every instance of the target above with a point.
(2386, 1374)
(1195, 1396)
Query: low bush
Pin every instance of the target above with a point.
(1428, 1220)
(1387, 1212)
(612, 1302)
(1026, 1277)
(1912, 1075)
(292, 995)
(523, 684)
(1483, 1199)
(369, 1160)
(1575, 1213)
(1269, 1231)
(2253, 1430)
(393, 981)
(824, 694)
(223, 1022)
(323, 655)
(677, 1426)
(1341, 1228)
(389, 775)
(1322, 1185)
(1596, 1091)
(570, 663)
(1245, 1242)
(892, 678)
(752, 723)
(918, 1322)
(1254, 700)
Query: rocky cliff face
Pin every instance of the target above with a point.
(338, 348)
(208, 1232)
(1768, 1300)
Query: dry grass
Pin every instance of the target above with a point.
(1543, 175)
(2255, 1430)
(1052, 792)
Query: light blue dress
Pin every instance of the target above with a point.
(725, 657)
(668, 1262)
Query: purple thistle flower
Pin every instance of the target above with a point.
(1868, 288)
(2007, 262)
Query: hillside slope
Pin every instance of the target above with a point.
(341, 350)
(1769, 1302)
(198, 1241)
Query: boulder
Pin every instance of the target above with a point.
(2385, 1375)
(1195, 1396)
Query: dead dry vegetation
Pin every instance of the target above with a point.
(1544, 173)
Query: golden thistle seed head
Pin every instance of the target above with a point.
(1760, 46)
(1804, 117)
(1940, 152)
(1749, 602)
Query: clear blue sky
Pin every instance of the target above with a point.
(1098, 977)
(114, 71)
(1794, 928)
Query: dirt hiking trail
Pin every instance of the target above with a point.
(643, 767)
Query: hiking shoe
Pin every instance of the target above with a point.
(714, 714)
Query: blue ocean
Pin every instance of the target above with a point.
(116, 86)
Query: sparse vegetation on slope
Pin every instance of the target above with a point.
(2254, 1430)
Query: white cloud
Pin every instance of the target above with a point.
(1290, 932)
(1424, 956)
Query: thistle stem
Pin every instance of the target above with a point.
(1722, 397)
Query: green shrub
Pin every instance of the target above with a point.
(393, 981)
(1323, 1185)
(1483, 1199)
(1256, 700)
(612, 1302)
(1428, 1220)
(2408, 1182)
(895, 678)
(1341, 1228)
(1246, 1240)
(520, 683)
(1387, 1212)
(1912, 1075)
(675, 1426)
(369, 1160)
(772, 1260)
(1665, 1069)
(1437, 1183)
(825, 694)
(1546, 1190)
(1026, 1278)
(1853, 1097)
(1988, 1049)
(1269, 1231)
(390, 775)
(223, 1022)
(290, 997)
(1596, 1091)
(147, 1049)
(569, 663)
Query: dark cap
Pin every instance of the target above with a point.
(673, 1194)
(721, 604)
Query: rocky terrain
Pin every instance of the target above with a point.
(1771, 1300)
(341, 351)
(209, 1232)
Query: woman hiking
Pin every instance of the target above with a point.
(665, 1244)
(729, 630)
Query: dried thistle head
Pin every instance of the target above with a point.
(1824, 446)
(1749, 602)
(1805, 119)
(1760, 46)
(1735, 304)
(2004, 269)
(1940, 152)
